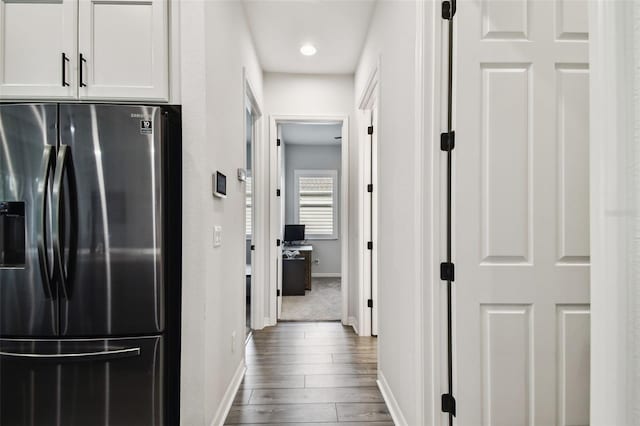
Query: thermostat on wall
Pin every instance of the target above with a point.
(219, 185)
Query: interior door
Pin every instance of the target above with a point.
(374, 220)
(250, 224)
(280, 211)
(521, 213)
(28, 293)
(38, 49)
(124, 48)
(370, 221)
(82, 382)
(117, 284)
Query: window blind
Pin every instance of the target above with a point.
(248, 209)
(316, 204)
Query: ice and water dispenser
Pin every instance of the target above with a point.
(12, 234)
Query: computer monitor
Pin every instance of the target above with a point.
(293, 233)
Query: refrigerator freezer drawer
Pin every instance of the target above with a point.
(82, 382)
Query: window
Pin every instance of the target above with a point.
(248, 208)
(316, 194)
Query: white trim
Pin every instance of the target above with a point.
(275, 227)
(369, 93)
(275, 232)
(390, 400)
(259, 231)
(326, 275)
(369, 101)
(422, 267)
(353, 323)
(266, 322)
(229, 395)
(613, 56)
(432, 57)
(344, 218)
(174, 52)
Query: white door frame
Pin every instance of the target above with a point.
(615, 304)
(276, 226)
(259, 227)
(368, 285)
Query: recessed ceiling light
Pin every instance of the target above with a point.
(308, 50)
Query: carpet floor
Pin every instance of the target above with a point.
(322, 303)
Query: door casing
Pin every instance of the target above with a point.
(275, 256)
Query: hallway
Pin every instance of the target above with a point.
(310, 373)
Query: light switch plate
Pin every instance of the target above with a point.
(217, 236)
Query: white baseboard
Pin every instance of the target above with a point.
(392, 404)
(326, 275)
(229, 396)
(353, 322)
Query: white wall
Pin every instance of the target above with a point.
(392, 43)
(314, 157)
(212, 95)
(321, 95)
(614, 39)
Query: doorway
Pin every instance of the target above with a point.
(310, 218)
(311, 264)
(252, 115)
(369, 223)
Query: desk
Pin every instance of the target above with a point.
(306, 252)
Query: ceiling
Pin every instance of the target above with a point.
(337, 28)
(311, 134)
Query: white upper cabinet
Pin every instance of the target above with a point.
(123, 49)
(84, 49)
(38, 48)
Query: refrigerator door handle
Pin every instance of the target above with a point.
(62, 271)
(43, 191)
(73, 357)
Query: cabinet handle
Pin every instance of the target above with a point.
(82, 61)
(64, 70)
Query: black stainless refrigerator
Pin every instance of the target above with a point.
(90, 238)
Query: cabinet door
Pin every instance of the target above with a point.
(35, 35)
(123, 47)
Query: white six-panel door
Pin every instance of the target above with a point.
(124, 44)
(521, 213)
(34, 34)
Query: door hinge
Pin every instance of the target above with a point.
(370, 187)
(448, 9)
(278, 293)
(278, 242)
(253, 247)
(447, 141)
(447, 271)
(277, 142)
(370, 245)
(448, 404)
(370, 303)
(370, 130)
(277, 192)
